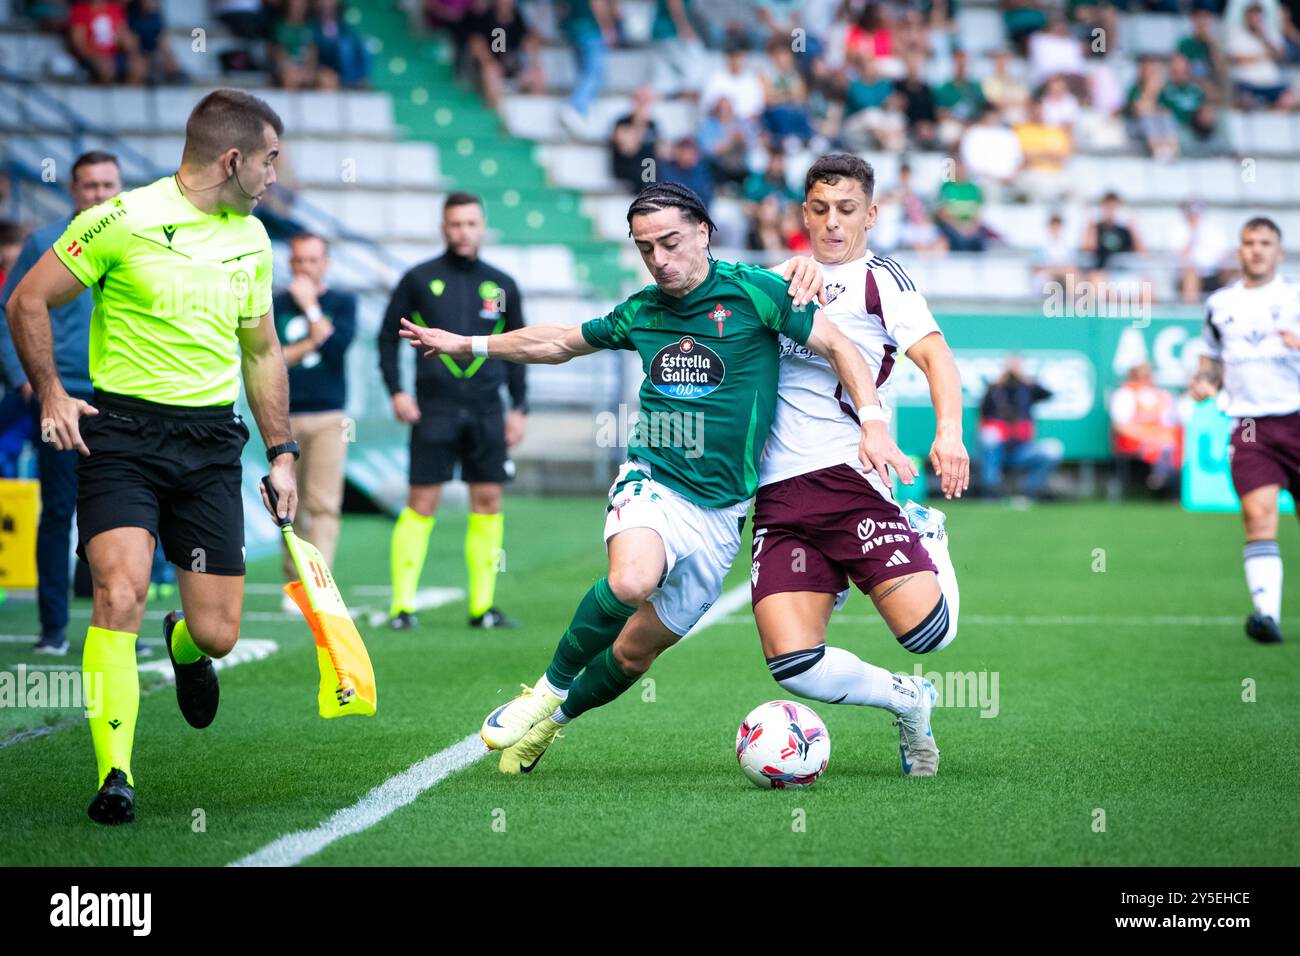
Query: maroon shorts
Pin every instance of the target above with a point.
(1269, 456)
(816, 532)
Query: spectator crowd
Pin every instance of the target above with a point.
(863, 75)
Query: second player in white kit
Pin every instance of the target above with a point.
(821, 519)
(1252, 362)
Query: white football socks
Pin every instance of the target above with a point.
(1263, 562)
(840, 677)
(543, 686)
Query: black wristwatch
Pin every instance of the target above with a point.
(275, 451)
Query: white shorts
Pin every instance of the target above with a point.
(700, 543)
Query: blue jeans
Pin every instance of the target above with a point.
(1036, 458)
(58, 472)
(590, 47)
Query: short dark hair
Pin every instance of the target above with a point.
(93, 158)
(654, 197)
(1263, 222)
(1111, 196)
(461, 199)
(307, 235)
(227, 119)
(833, 167)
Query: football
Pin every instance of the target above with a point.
(783, 744)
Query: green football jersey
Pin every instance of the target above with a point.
(711, 361)
(171, 285)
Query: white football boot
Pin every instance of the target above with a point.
(508, 724)
(916, 745)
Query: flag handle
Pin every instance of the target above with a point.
(272, 497)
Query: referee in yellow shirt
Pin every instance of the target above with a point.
(180, 272)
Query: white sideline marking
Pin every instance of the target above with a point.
(425, 599)
(248, 649)
(402, 789)
(1050, 620)
(393, 794)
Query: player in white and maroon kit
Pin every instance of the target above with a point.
(820, 519)
(1252, 332)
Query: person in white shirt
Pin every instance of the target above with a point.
(1252, 363)
(991, 152)
(1255, 52)
(820, 519)
(1202, 250)
(737, 83)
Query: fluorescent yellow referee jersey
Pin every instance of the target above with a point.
(171, 285)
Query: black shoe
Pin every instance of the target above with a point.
(1262, 628)
(197, 690)
(492, 618)
(115, 802)
(402, 621)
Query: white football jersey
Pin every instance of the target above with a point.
(875, 304)
(1261, 374)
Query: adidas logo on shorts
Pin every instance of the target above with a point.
(897, 558)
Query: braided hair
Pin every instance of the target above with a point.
(656, 196)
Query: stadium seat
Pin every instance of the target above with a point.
(368, 113)
(320, 113)
(578, 166)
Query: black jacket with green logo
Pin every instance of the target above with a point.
(465, 296)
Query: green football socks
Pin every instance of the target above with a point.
(600, 682)
(408, 548)
(596, 623)
(111, 694)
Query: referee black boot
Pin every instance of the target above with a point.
(115, 802)
(492, 619)
(197, 690)
(1262, 628)
(402, 621)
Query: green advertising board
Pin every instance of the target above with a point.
(1081, 360)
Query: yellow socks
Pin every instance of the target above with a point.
(111, 690)
(483, 536)
(409, 546)
(183, 647)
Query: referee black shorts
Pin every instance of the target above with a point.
(447, 434)
(174, 471)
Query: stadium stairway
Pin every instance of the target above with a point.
(477, 155)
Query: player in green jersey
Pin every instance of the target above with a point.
(707, 333)
(180, 272)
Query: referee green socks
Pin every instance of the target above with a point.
(483, 537)
(111, 691)
(408, 548)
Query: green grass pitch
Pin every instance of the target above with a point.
(1120, 692)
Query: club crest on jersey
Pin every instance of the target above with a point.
(720, 315)
(832, 290)
(240, 285)
(686, 369)
(492, 298)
